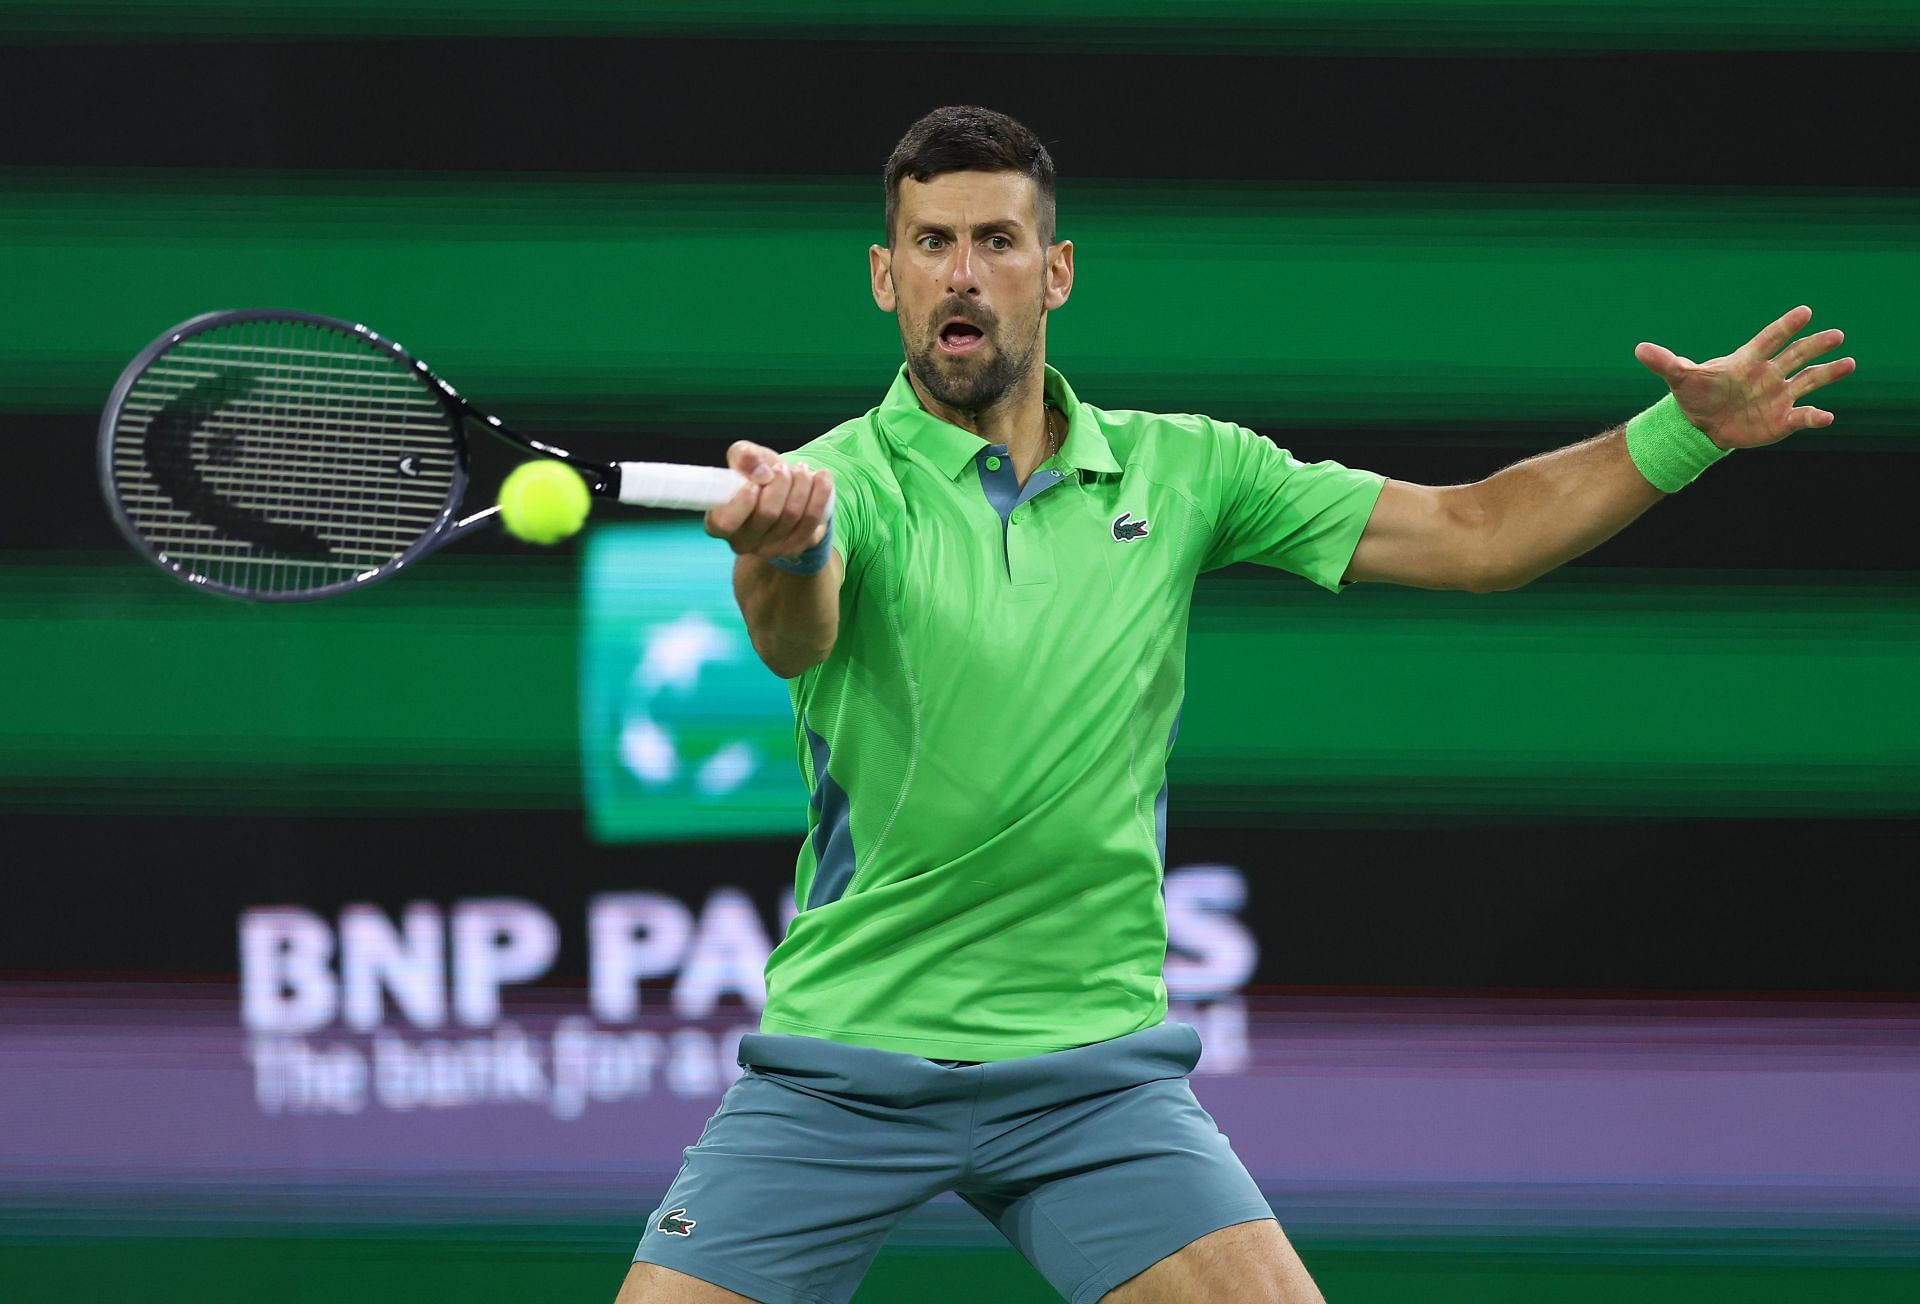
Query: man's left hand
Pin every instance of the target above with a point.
(1746, 399)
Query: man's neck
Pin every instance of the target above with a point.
(1018, 420)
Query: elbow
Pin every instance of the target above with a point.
(1477, 555)
(792, 668)
(1494, 566)
(789, 662)
(1494, 581)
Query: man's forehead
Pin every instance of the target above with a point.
(974, 198)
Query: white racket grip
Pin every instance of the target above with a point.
(685, 488)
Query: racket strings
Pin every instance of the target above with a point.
(278, 457)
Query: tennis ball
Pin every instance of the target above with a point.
(543, 501)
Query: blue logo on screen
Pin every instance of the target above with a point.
(683, 732)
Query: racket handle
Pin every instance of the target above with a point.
(667, 484)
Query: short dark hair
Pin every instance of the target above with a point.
(968, 138)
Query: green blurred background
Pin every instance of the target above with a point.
(1422, 239)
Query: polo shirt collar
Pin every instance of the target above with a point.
(951, 449)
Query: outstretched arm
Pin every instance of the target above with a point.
(1545, 511)
(1520, 523)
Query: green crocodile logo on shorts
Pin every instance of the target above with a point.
(677, 1224)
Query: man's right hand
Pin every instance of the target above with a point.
(780, 512)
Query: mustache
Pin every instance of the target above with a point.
(985, 318)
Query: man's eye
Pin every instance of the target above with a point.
(999, 242)
(929, 242)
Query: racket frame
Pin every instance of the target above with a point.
(602, 478)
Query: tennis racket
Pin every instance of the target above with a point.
(283, 456)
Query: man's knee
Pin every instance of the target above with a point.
(649, 1283)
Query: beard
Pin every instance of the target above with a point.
(968, 383)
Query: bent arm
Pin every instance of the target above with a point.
(782, 511)
(793, 619)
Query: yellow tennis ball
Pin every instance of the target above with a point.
(543, 501)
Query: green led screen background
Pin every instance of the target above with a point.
(1422, 239)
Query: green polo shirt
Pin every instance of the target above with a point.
(987, 743)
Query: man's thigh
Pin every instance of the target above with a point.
(1249, 1263)
(797, 1179)
(649, 1283)
(1098, 1187)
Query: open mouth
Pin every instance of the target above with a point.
(957, 336)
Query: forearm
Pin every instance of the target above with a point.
(793, 619)
(1547, 510)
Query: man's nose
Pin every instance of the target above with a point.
(960, 277)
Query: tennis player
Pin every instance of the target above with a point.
(986, 637)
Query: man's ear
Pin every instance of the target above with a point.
(880, 271)
(1059, 273)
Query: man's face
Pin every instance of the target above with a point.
(969, 282)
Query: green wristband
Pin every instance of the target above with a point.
(1669, 450)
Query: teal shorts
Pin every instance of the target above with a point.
(1095, 1162)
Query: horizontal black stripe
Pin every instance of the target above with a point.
(757, 106)
(1786, 508)
(1705, 905)
(1764, 904)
